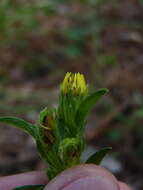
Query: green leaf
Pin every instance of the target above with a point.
(98, 156)
(20, 123)
(30, 187)
(43, 113)
(86, 105)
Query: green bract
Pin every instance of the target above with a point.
(59, 131)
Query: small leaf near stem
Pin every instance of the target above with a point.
(98, 156)
(47, 125)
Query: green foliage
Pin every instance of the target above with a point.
(25, 23)
(25, 15)
(106, 60)
(115, 134)
(141, 2)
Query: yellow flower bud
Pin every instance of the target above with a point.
(74, 84)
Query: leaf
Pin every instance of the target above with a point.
(98, 156)
(20, 123)
(87, 105)
(30, 187)
(43, 113)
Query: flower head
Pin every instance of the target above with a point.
(75, 84)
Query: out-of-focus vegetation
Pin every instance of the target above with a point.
(40, 40)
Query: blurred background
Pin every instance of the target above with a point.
(40, 40)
